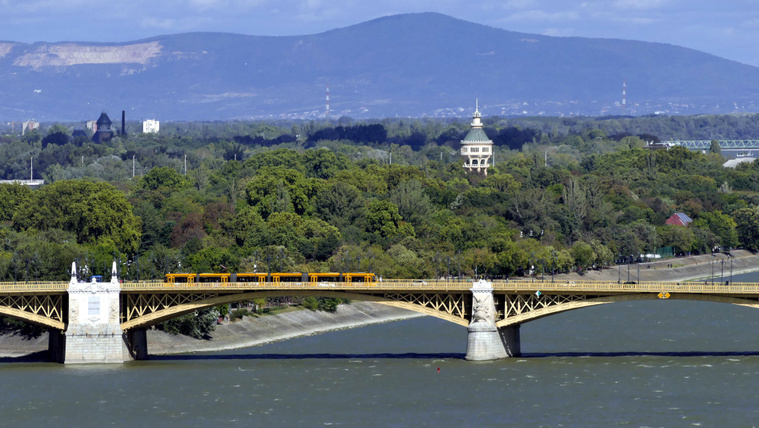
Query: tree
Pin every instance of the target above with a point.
(12, 196)
(747, 227)
(583, 255)
(413, 205)
(715, 148)
(721, 225)
(92, 211)
(198, 324)
(164, 177)
(383, 219)
(281, 190)
(340, 204)
(323, 163)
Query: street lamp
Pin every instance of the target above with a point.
(712, 271)
(731, 269)
(722, 272)
(619, 269)
(553, 264)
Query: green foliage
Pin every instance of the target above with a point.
(566, 193)
(238, 314)
(321, 303)
(94, 212)
(164, 178)
(12, 196)
(198, 325)
(310, 303)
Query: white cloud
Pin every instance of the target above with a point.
(640, 4)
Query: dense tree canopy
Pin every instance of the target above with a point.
(389, 196)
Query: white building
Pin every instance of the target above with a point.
(150, 126)
(476, 147)
(29, 126)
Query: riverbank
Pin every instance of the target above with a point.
(259, 330)
(255, 331)
(689, 268)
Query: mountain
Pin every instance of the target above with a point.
(409, 65)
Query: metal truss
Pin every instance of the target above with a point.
(134, 306)
(456, 305)
(44, 309)
(705, 144)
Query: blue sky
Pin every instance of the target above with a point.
(727, 28)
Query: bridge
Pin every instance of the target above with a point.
(723, 144)
(107, 322)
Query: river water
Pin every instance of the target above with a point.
(650, 363)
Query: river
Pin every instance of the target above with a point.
(648, 363)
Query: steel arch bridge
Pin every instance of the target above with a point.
(147, 303)
(516, 302)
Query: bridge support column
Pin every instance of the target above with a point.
(136, 344)
(94, 333)
(483, 339)
(56, 345)
(510, 340)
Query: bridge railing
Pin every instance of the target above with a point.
(33, 286)
(384, 285)
(516, 285)
(642, 287)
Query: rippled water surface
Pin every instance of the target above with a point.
(649, 363)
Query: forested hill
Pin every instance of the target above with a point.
(417, 65)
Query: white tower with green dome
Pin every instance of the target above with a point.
(476, 147)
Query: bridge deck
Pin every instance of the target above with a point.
(514, 286)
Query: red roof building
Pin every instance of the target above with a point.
(679, 219)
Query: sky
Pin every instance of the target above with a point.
(726, 28)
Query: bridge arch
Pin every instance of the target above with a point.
(38, 319)
(170, 312)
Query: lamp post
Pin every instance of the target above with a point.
(731, 269)
(553, 265)
(712, 272)
(619, 269)
(434, 264)
(458, 263)
(722, 272)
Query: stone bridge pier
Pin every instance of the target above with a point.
(93, 333)
(485, 341)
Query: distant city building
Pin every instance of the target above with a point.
(150, 126)
(104, 132)
(29, 126)
(92, 125)
(476, 147)
(650, 145)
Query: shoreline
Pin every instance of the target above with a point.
(261, 330)
(258, 331)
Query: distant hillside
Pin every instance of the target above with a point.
(411, 65)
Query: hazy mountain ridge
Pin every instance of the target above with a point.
(415, 64)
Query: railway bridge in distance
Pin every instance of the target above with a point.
(106, 322)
